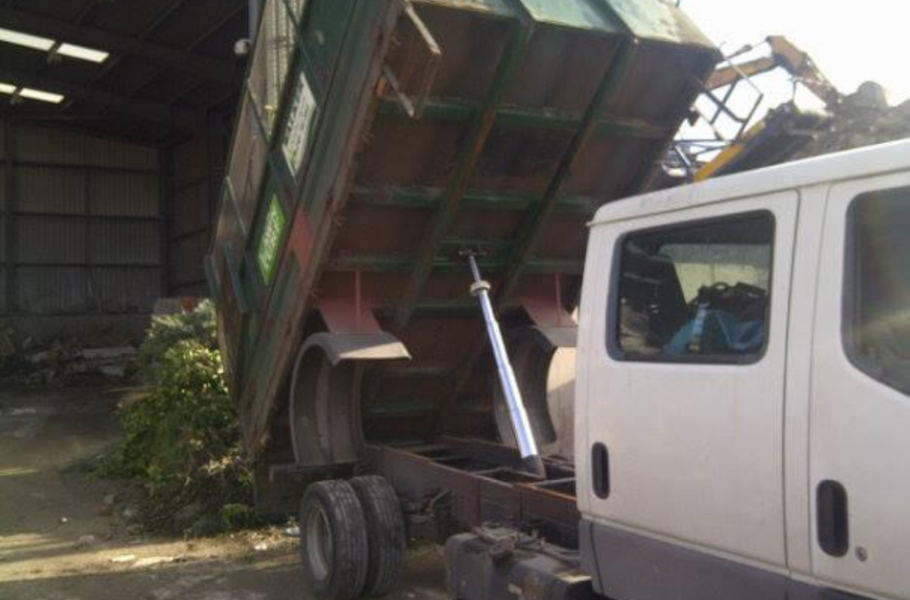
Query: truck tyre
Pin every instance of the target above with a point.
(333, 541)
(386, 535)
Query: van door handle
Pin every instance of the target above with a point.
(600, 470)
(832, 518)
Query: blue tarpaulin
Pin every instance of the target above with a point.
(721, 332)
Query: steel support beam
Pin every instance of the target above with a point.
(9, 155)
(153, 112)
(113, 61)
(164, 196)
(82, 167)
(255, 10)
(205, 67)
(215, 28)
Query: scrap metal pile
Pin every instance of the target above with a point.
(763, 135)
(862, 119)
(62, 361)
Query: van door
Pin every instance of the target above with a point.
(684, 396)
(860, 403)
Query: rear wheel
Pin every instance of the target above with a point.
(386, 535)
(333, 541)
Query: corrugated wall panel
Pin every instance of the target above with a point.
(39, 144)
(51, 240)
(88, 226)
(124, 194)
(126, 290)
(125, 242)
(51, 190)
(53, 290)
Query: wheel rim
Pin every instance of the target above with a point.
(319, 544)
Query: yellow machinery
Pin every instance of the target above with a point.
(783, 54)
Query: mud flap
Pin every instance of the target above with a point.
(340, 347)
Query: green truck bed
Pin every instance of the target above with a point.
(377, 138)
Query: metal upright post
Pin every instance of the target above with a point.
(527, 445)
(254, 14)
(10, 155)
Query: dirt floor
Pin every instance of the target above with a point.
(61, 538)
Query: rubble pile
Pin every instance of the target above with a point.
(61, 361)
(862, 119)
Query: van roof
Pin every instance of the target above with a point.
(842, 166)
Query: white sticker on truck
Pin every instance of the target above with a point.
(299, 124)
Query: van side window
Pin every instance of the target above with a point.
(877, 295)
(694, 292)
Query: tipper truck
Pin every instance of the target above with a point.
(399, 257)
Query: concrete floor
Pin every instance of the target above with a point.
(58, 543)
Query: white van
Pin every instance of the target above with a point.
(743, 393)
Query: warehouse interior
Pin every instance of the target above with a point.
(115, 120)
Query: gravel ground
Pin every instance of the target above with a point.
(61, 537)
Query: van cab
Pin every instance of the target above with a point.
(742, 414)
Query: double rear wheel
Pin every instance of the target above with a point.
(352, 538)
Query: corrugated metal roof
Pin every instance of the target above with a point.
(167, 58)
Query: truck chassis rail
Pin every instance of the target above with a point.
(457, 484)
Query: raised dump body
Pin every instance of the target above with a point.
(377, 140)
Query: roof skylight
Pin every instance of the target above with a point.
(82, 53)
(41, 95)
(31, 93)
(36, 42)
(26, 39)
